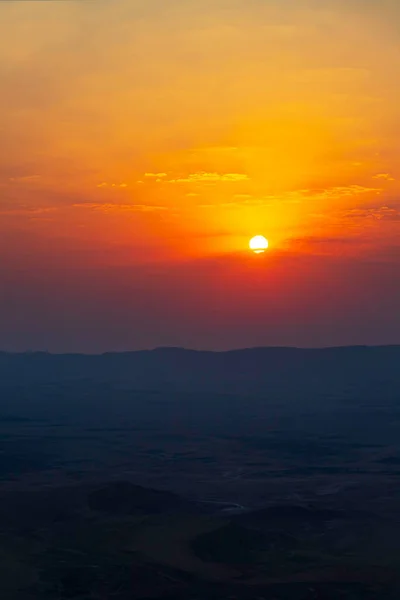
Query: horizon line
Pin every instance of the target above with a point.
(200, 351)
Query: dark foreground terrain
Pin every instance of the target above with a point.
(258, 474)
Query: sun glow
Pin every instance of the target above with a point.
(258, 244)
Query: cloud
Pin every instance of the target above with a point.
(296, 196)
(332, 193)
(203, 177)
(381, 213)
(323, 241)
(301, 195)
(25, 179)
(244, 200)
(118, 208)
(25, 211)
(341, 191)
(384, 176)
(103, 184)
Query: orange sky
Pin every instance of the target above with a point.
(160, 135)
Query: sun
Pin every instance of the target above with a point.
(258, 244)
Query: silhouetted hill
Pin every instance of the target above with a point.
(230, 544)
(125, 498)
(290, 514)
(353, 370)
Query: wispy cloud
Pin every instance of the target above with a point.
(297, 196)
(204, 177)
(25, 179)
(241, 200)
(341, 191)
(104, 184)
(384, 176)
(24, 211)
(323, 241)
(381, 213)
(200, 177)
(118, 208)
(157, 177)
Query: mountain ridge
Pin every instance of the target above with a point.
(158, 349)
(337, 370)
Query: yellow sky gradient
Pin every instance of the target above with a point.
(147, 130)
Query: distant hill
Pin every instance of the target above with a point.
(290, 517)
(125, 498)
(350, 370)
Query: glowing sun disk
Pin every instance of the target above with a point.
(258, 244)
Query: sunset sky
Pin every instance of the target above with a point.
(144, 142)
